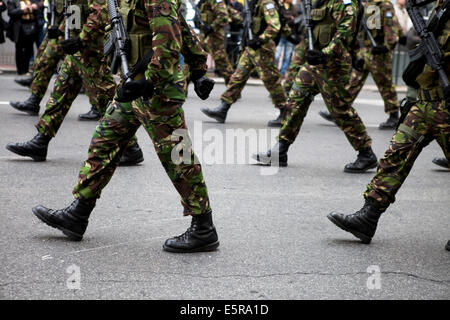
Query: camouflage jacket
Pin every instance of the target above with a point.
(265, 20)
(214, 13)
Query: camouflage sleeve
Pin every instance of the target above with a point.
(272, 19)
(166, 39)
(391, 27)
(234, 15)
(220, 13)
(94, 28)
(193, 53)
(344, 13)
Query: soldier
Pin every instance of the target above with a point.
(378, 59)
(153, 99)
(428, 119)
(259, 54)
(45, 65)
(326, 71)
(84, 64)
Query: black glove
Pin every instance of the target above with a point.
(203, 87)
(72, 45)
(294, 38)
(314, 57)
(53, 32)
(133, 89)
(255, 43)
(379, 50)
(207, 30)
(358, 64)
(402, 40)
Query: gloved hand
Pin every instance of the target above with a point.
(255, 43)
(203, 87)
(207, 30)
(133, 89)
(314, 57)
(72, 45)
(294, 38)
(379, 50)
(358, 64)
(402, 40)
(53, 32)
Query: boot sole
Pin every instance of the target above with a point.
(23, 154)
(209, 247)
(29, 112)
(440, 164)
(274, 125)
(85, 119)
(374, 165)
(70, 234)
(364, 239)
(220, 120)
(262, 163)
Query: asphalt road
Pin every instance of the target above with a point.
(276, 242)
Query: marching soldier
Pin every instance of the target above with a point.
(83, 65)
(154, 100)
(326, 71)
(259, 54)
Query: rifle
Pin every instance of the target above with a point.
(247, 34)
(428, 50)
(366, 28)
(199, 24)
(66, 19)
(307, 20)
(52, 19)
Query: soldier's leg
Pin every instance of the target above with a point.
(216, 45)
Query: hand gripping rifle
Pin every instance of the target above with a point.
(428, 50)
(247, 34)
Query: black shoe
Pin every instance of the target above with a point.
(442, 162)
(447, 246)
(72, 221)
(36, 148)
(362, 224)
(391, 122)
(91, 115)
(200, 236)
(326, 115)
(366, 160)
(24, 81)
(276, 122)
(30, 106)
(132, 156)
(277, 156)
(219, 113)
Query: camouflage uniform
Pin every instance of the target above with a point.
(298, 59)
(266, 25)
(379, 65)
(335, 24)
(214, 13)
(158, 28)
(427, 120)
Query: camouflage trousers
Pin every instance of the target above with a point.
(165, 124)
(425, 122)
(45, 64)
(298, 59)
(380, 67)
(329, 80)
(263, 60)
(214, 44)
(88, 70)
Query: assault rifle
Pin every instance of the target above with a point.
(53, 14)
(247, 34)
(306, 9)
(366, 28)
(67, 14)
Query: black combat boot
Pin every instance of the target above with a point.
(276, 122)
(362, 224)
(30, 106)
(91, 115)
(132, 156)
(72, 221)
(200, 236)
(447, 246)
(36, 148)
(219, 113)
(25, 80)
(391, 122)
(326, 115)
(442, 162)
(275, 156)
(366, 160)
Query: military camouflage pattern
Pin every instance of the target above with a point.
(262, 59)
(160, 117)
(298, 59)
(329, 80)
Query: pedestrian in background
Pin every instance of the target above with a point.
(288, 12)
(2, 22)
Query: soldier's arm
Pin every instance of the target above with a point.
(95, 22)
(391, 27)
(221, 18)
(193, 53)
(273, 21)
(166, 39)
(234, 16)
(344, 13)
